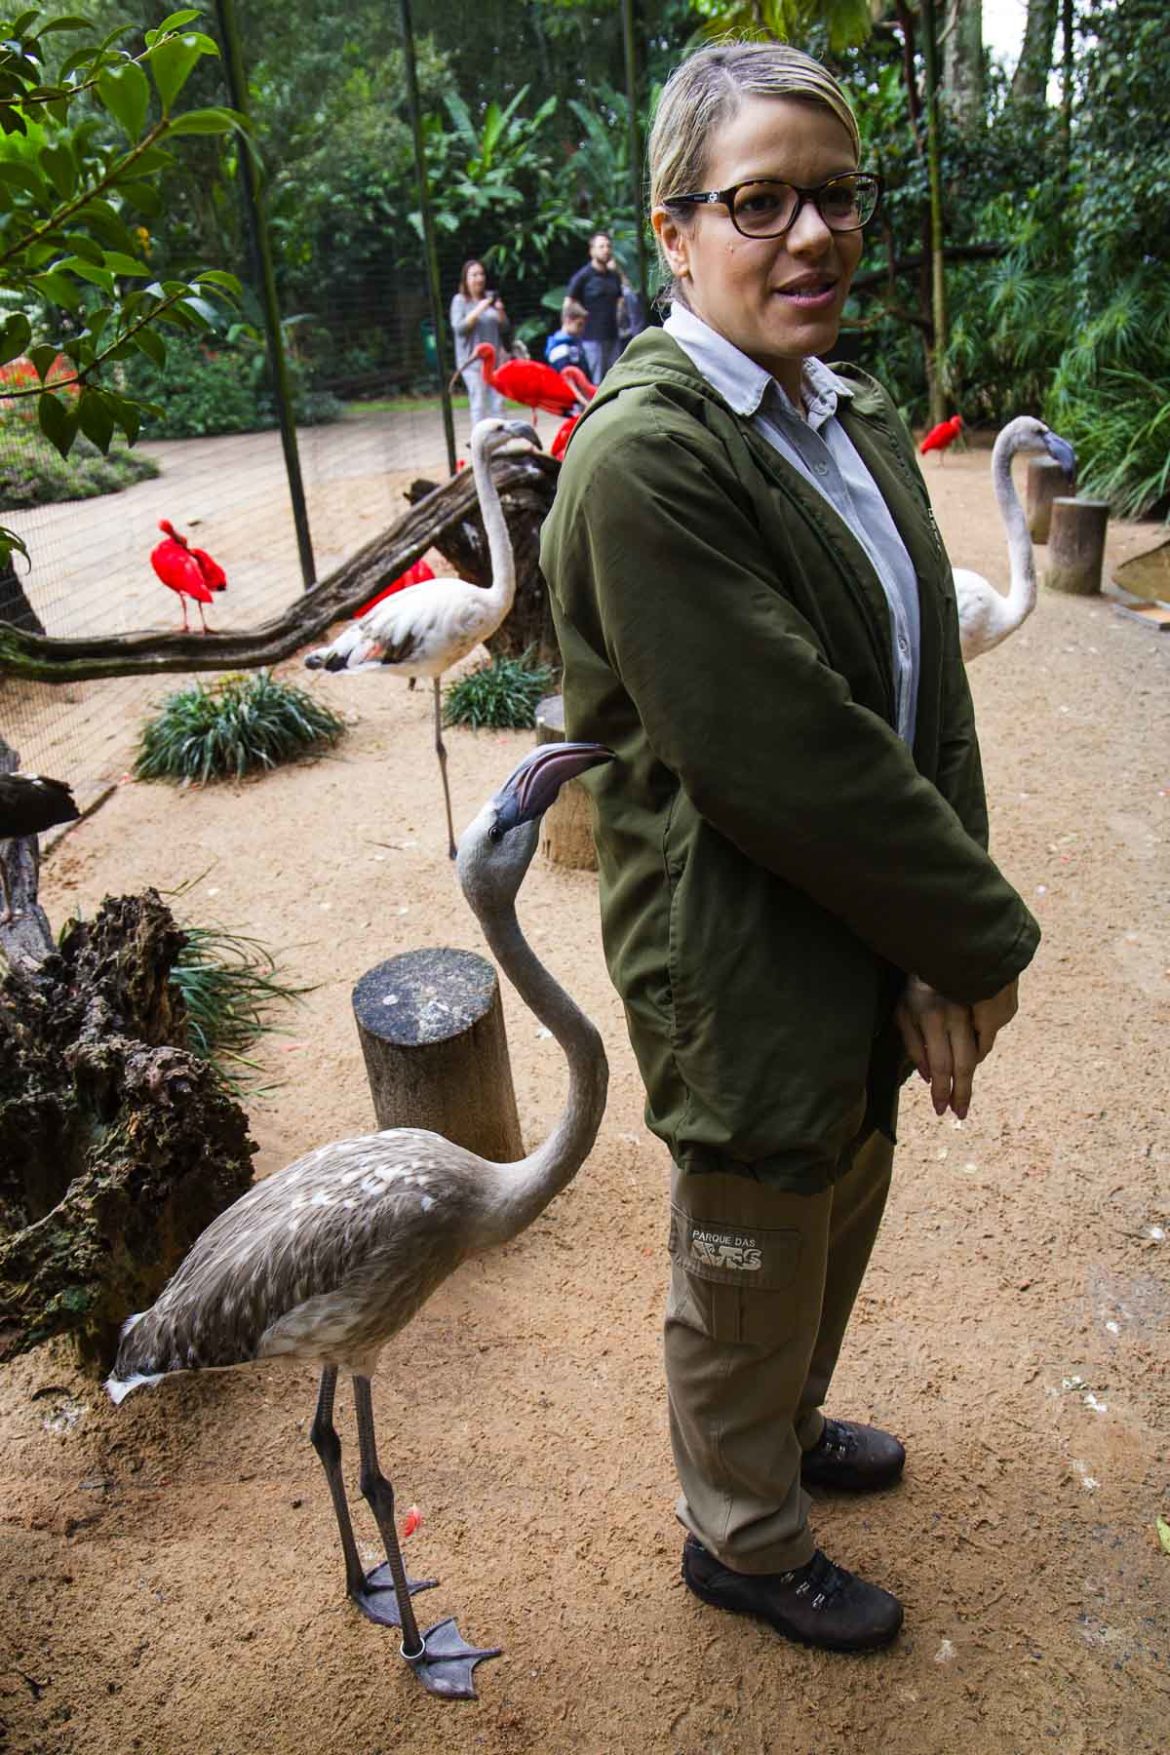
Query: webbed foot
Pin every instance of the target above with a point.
(377, 1599)
(445, 1663)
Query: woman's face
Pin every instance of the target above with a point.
(777, 299)
(476, 280)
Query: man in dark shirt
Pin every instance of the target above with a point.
(598, 286)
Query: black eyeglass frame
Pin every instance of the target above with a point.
(726, 197)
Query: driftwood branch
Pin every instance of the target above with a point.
(27, 940)
(526, 483)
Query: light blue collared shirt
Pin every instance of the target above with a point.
(820, 449)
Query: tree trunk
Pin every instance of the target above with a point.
(1076, 546)
(526, 485)
(15, 607)
(940, 390)
(117, 1146)
(431, 1026)
(1045, 480)
(1030, 79)
(566, 828)
(962, 73)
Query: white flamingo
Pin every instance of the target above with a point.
(430, 627)
(986, 616)
(329, 1258)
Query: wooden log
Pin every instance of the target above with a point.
(1076, 546)
(431, 1027)
(1045, 480)
(566, 829)
(1147, 575)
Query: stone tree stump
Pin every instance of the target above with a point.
(566, 829)
(431, 1027)
(1045, 480)
(1076, 546)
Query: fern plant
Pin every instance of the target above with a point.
(233, 726)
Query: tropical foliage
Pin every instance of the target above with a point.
(88, 118)
(232, 727)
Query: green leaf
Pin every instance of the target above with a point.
(127, 414)
(203, 122)
(23, 176)
(152, 345)
(67, 21)
(59, 166)
(1163, 1533)
(118, 262)
(86, 271)
(172, 62)
(58, 423)
(219, 277)
(125, 91)
(10, 543)
(83, 245)
(95, 417)
(14, 337)
(142, 196)
(42, 357)
(58, 289)
(176, 20)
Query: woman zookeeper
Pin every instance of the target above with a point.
(756, 614)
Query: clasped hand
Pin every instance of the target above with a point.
(947, 1040)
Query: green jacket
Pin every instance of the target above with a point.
(772, 856)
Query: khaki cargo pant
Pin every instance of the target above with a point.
(762, 1286)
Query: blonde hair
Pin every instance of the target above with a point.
(706, 89)
(572, 311)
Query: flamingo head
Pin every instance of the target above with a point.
(496, 849)
(495, 433)
(1026, 433)
(168, 529)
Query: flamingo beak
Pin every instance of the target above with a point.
(520, 430)
(1063, 452)
(529, 790)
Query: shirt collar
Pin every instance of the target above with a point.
(743, 384)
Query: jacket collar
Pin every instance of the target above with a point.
(742, 383)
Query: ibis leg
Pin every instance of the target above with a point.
(375, 1598)
(439, 1658)
(441, 752)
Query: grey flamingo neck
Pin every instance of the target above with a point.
(1021, 598)
(524, 1189)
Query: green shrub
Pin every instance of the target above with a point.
(503, 694)
(33, 473)
(231, 727)
(211, 386)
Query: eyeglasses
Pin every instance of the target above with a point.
(767, 209)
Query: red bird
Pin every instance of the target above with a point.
(189, 571)
(944, 434)
(562, 436)
(526, 381)
(576, 377)
(416, 575)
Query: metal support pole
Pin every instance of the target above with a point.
(424, 204)
(635, 148)
(265, 278)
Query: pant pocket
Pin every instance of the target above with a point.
(736, 1283)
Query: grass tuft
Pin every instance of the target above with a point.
(231, 727)
(502, 695)
(231, 987)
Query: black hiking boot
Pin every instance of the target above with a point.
(852, 1459)
(817, 1604)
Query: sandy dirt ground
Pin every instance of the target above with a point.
(171, 1567)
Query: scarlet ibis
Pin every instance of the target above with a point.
(28, 804)
(528, 382)
(576, 377)
(326, 1261)
(562, 437)
(190, 572)
(944, 434)
(416, 575)
(424, 631)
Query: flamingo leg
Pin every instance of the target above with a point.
(327, 1444)
(441, 752)
(439, 1657)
